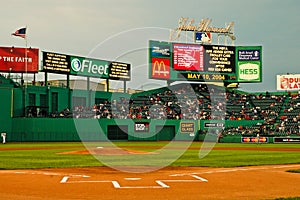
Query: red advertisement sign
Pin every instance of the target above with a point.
(14, 59)
(288, 82)
(188, 57)
(160, 68)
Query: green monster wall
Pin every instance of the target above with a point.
(69, 129)
(6, 111)
(21, 128)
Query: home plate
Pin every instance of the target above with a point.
(132, 179)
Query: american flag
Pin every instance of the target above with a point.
(20, 32)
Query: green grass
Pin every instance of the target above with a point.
(289, 198)
(46, 155)
(43, 158)
(234, 158)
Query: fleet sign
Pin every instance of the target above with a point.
(89, 67)
(82, 66)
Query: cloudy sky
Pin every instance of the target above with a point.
(110, 29)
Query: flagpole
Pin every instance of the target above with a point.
(22, 33)
(26, 57)
(26, 75)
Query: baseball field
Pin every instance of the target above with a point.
(76, 171)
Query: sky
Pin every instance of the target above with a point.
(121, 29)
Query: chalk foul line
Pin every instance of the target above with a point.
(159, 183)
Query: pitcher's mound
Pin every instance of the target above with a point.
(108, 151)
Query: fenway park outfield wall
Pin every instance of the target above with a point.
(69, 129)
(20, 127)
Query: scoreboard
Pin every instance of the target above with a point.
(209, 63)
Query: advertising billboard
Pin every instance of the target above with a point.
(82, 66)
(56, 63)
(89, 67)
(288, 82)
(160, 49)
(249, 63)
(119, 71)
(255, 139)
(204, 63)
(160, 60)
(219, 59)
(188, 57)
(143, 127)
(287, 140)
(15, 59)
(160, 68)
(191, 62)
(187, 127)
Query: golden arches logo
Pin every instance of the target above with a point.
(157, 68)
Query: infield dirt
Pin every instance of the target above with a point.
(263, 182)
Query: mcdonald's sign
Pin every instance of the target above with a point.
(160, 68)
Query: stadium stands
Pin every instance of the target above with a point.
(278, 112)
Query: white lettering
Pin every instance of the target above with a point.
(94, 69)
(16, 59)
(89, 67)
(85, 64)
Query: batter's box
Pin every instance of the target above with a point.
(136, 182)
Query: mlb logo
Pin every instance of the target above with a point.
(203, 37)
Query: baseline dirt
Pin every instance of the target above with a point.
(128, 150)
(263, 182)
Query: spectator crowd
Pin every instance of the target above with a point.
(279, 113)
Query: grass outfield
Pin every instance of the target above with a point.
(48, 155)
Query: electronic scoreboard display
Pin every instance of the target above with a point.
(203, 63)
